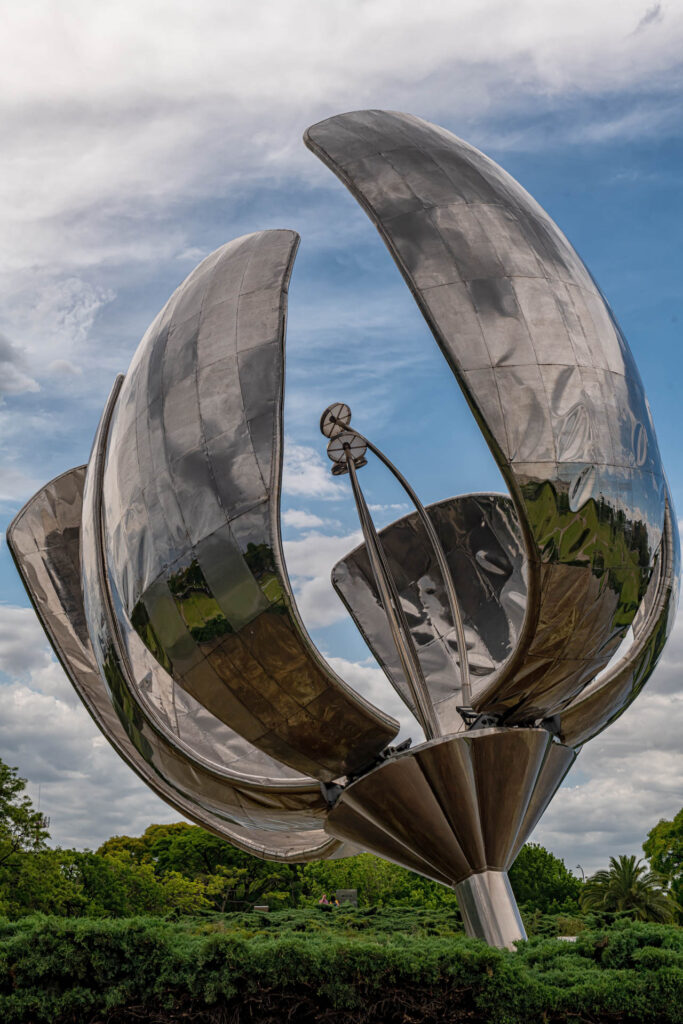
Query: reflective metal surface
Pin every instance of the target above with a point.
(548, 375)
(394, 615)
(485, 555)
(458, 803)
(608, 697)
(44, 540)
(159, 579)
(190, 493)
(489, 910)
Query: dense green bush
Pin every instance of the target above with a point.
(349, 966)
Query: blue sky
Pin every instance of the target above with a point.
(138, 138)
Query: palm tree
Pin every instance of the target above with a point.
(629, 888)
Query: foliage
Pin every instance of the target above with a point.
(628, 888)
(72, 883)
(541, 880)
(551, 925)
(159, 928)
(379, 883)
(230, 879)
(22, 828)
(360, 967)
(664, 849)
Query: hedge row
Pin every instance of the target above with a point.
(301, 969)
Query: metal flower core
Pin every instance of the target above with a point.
(157, 569)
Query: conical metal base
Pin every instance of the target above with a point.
(456, 809)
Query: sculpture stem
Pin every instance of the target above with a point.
(489, 909)
(442, 561)
(393, 610)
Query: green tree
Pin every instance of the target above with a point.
(42, 882)
(664, 849)
(230, 878)
(542, 882)
(195, 853)
(628, 888)
(22, 828)
(147, 847)
(379, 883)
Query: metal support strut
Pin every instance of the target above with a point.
(335, 422)
(393, 610)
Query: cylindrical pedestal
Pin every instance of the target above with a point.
(489, 910)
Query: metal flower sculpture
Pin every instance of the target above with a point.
(158, 575)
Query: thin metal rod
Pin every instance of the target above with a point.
(393, 610)
(440, 555)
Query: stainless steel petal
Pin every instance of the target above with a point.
(485, 553)
(607, 697)
(44, 539)
(194, 565)
(548, 376)
(116, 659)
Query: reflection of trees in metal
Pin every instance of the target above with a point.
(177, 624)
(200, 611)
(261, 560)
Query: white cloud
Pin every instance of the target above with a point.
(396, 506)
(318, 603)
(309, 563)
(16, 485)
(23, 648)
(317, 552)
(306, 474)
(301, 520)
(111, 112)
(85, 788)
(55, 318)
(113, 118)
(65, 368)
(13, 379)
(652, 14)
(304, 46)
